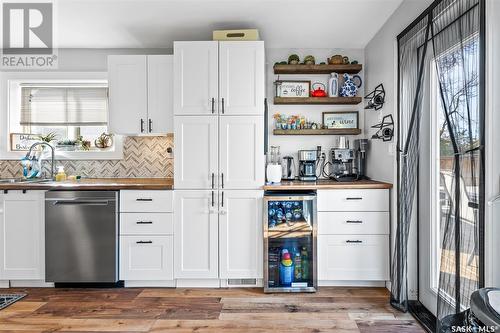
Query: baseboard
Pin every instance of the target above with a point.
(198, 283)
(333, 283)
(150, 284)
(31, 284)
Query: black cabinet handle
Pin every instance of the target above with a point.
(213, 180)
(213, 199)
(354, 222)
(142, 125)
(150, 126)
(213, 105)
(222, 202)
(222, 105)
(144, 222)
(222, 180)
(144, 199)
(354, 241)
(354, 198)
(144, 242)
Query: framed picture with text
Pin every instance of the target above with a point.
(293, 88)
(341, 120)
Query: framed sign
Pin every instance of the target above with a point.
(22, 141)
(341, 120)
(293, 88)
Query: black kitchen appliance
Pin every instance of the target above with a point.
(307, 165)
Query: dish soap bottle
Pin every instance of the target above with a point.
(61, 175)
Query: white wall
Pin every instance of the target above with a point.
(381, 67)
(291, 144)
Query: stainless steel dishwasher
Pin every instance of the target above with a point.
(81, 236)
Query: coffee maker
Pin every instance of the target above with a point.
(349, 164)
(307, 165)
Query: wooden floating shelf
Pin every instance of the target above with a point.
(347, 131)
(317, 69)
(318, 100)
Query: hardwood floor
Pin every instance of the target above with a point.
(203, 310)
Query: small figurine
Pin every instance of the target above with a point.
(293, 59)
(309, 60)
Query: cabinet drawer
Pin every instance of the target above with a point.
(146, 258)
(146, 201)
(353, 200)
(353, 257)
(353, 223)
(146, 224)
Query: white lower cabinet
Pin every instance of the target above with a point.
(240, 234)
(196, 235)
(146, 258)
(22, 235)
(353, 236)
(353, 257)
(146, 237)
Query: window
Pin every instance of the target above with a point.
(74, 112)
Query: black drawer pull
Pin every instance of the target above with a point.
(144, 242)
(354, 222)
(353, 241)
(144, 222)
(354, 198)
(144, 199)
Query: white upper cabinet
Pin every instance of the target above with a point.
(127, 79)
(160, 93)
(240, 234)
(22, 235)
(241, 152)
(196, 235)
(196, 152)
(196, 78)
(241, 73)
(140, 94)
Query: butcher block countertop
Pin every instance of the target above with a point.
(95, 184)
(327, 184)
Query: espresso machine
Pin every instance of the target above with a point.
(349, 164)
(307, 165)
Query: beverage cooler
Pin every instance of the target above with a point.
(290, 242)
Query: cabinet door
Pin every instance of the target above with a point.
(160, 94)
(240, 234)
(22, 234)
(196, 234)
(196, 152)
(353, 257)
(242, 78)
(127, 81)
(242, 159)
(196, 78)
(146, 258)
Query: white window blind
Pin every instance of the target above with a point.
(60, 106)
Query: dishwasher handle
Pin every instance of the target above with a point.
(81, 202)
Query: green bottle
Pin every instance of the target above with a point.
(304, 263)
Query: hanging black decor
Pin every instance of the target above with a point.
(376, 98)
(385, 129)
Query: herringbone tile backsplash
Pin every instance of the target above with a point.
(142, 157)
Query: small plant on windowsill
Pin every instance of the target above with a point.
(104, 141)
(48, 137)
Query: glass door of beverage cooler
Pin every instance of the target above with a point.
(290, 242)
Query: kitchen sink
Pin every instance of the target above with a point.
(22, 181)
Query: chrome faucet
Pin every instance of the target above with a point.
(52, 170)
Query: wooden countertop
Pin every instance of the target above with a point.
(327, 184)
(96, 184)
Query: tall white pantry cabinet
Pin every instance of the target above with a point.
(219, 91)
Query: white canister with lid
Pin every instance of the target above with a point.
(333, 85)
